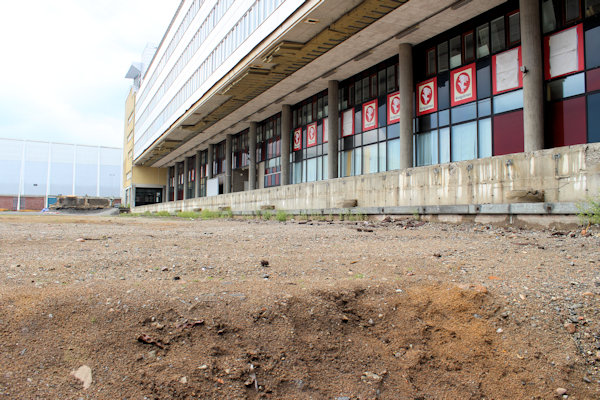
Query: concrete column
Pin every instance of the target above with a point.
(228, 143)
(252, 151)
(286, 129)
(186, 169)
(405, 85)
(176, 180)
(168, 186)
(197, 175)
(210, 160)
(332, 128)
(533, 79)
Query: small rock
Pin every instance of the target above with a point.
(571, 328)
(371, 322)
(203, 366)
(370, 376)
(264, 263)
(176, 278)
(587, 294)
(183, 380)
(84, 374)
(80, 240)
(265, 276)
(587, 380)
(499, 330)
(560, 391)
(164, 269)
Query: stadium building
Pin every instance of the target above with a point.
(382, 106)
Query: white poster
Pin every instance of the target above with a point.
(564, 55)
(507, 70)
(348, 118)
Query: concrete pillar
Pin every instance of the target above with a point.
(176, 184)
(228, 143)
(533, 79)
(252, 151)
(168, 186)
(332, 128)
(197, 175)
(405, 85)
(186, 169)
(210, 160)
(286, 129)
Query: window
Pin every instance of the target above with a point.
(514, 29)
(442, 57)
(431, 67)
(469, 47)
(498, 35)
(455, 52)
(483, 41)
(592, 7)
(572, 11)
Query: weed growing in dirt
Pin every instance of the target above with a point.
(358, 275)
(208, 214)
(162, 214)
(188, 214)
(226, 214)
(281, 216)
(258, 213)
(267, 215)
(589, 212)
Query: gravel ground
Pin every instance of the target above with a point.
(392, 309)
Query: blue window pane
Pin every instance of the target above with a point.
(444, 145)
(484, 80)
(382, 133)
(370, 136)
(358, 161)
(311, 170)
(393, 131)
(444, 117)
(325, 167)
(508, 102)
(369, 158)
(593, 113)
(464, 113)
(592, 44)
(382, 156)
(464, 141)
(484, 141)
(382, 113)
(427, 122)
(393, 154)
(347, 163)
(443, 81)
(484, 107)
(427, 148)
(566, 87)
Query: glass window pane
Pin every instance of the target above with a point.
(484, 107)
(592, 44)
(571, 10)
(311, 170)
(427, 148)
(497, 33)
(382, 156)
(566, 87)
(592, 7)
(484, 141)
(325, 167)
(393, 154)
(393, 131)
(455, 52)
(370, 136)
(483, 41)
(382, 82)
(464, 141)
(593, 115)
(548, 16)
(358, 161)
(365, 88)
(391, 79)
(484, 79)
(444, 118)
(442, 57)
(469, 46)
(347, 158)
(514, 29)
(444, 145)
(431, 70)
(464, 112)
(443, 81)
(358, 92)
(508, 101)
(369, 158)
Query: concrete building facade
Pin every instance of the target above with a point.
(254, 96)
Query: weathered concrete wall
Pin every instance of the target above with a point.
(560, 175)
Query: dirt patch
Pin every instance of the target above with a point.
(170, 309)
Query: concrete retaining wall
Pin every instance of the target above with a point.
(559, 176)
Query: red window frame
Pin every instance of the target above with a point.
(580, 52)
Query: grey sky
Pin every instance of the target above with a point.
(64, 62)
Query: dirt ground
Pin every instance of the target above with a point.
(245, 309)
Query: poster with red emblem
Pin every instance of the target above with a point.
(427, 96)
(298, 139)
(463, 85)
(369, 115)
(311, 135)
(393, 108)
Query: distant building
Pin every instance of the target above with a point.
(33, 173)
(141, 185)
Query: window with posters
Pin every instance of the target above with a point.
(268, 149)
(477, 87)
(309, 138)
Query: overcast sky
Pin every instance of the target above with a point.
(63, 66)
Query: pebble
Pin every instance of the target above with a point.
(183, 380)
(560, 391)
(571, 328)
(203, 366)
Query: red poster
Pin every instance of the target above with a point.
(298, 139)
(463, 85)
(427, 94)
(311, 135)
(393, 108)
(369, 115)
(506, 71)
